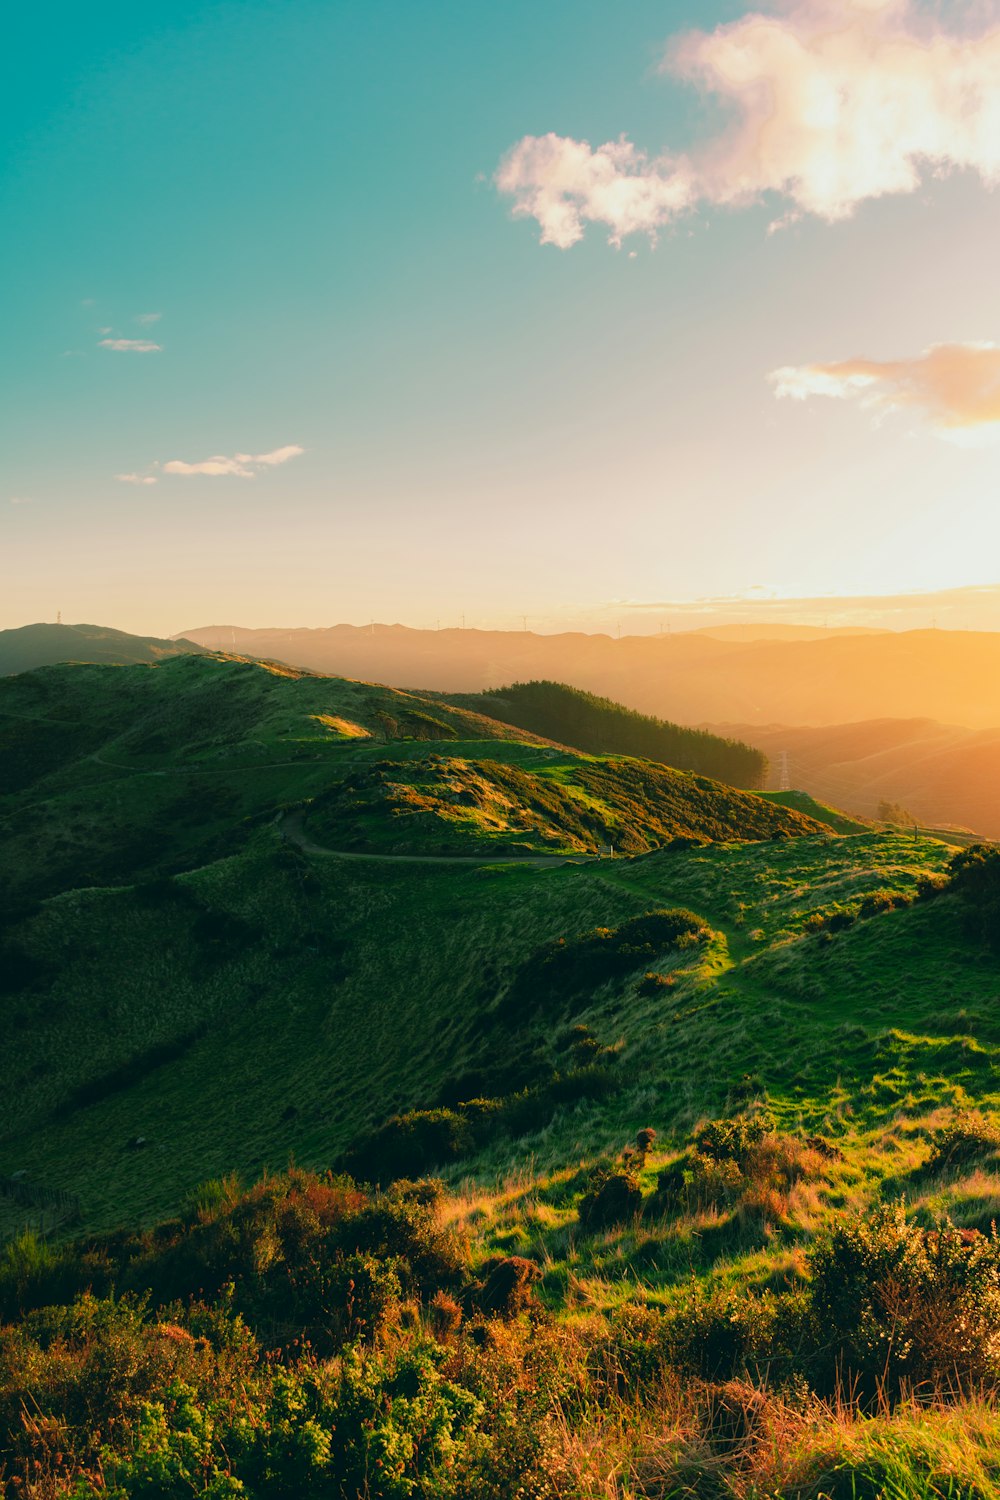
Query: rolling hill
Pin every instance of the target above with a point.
(114, 773)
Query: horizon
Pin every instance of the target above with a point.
(975, 608)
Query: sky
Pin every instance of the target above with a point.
(559, 312)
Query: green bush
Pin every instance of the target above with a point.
(613, 1197)
(975, 879)
(967, 1138)
(898, 1305)
(733, 1139)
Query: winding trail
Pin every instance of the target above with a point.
(290, 827)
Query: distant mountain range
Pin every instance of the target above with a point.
(692, 678)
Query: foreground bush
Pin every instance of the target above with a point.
(899, 1306)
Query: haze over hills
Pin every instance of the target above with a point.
(690, 678)
(941, 773)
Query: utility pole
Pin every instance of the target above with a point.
(784, 780)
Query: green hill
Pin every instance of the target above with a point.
(621, 1127)
(603, 727)
(116, 774)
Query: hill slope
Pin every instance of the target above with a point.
(602, 727)
(119, 773)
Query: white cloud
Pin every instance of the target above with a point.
(955, 386)
(564, 184)
(21, 500)
(131, 346)
(240, 465)
(148, 318)
(136, 478)
(834, 102)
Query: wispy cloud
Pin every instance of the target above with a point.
(834, 102)
(131, 346)
(239, 465)
(955, 386)
(21, 500)
(136, 478)
(146, 319)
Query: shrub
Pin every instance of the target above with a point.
(567, 969)
(613, 1197)
(505, 1285)
(733, 1139)
(896, 1304)
(975, 878)
(877, 902)
(720, 1334)
(409, 1145)
(966, 1139)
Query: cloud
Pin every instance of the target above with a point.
(21, 500)
(147, 318)
(833, 102)
(240, 465)
(564, 184)
(955, 386)
(131, 346)
(136, 478)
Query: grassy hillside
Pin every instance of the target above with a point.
(602, 727)
(448, 805)
(116, 774)
(658, 1108)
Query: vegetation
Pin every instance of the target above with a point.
(651, 1177)
(448, 805)
(975, 877)
(602, 727)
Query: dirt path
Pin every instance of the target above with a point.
(290, 827)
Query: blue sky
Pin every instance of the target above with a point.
(304, 195)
